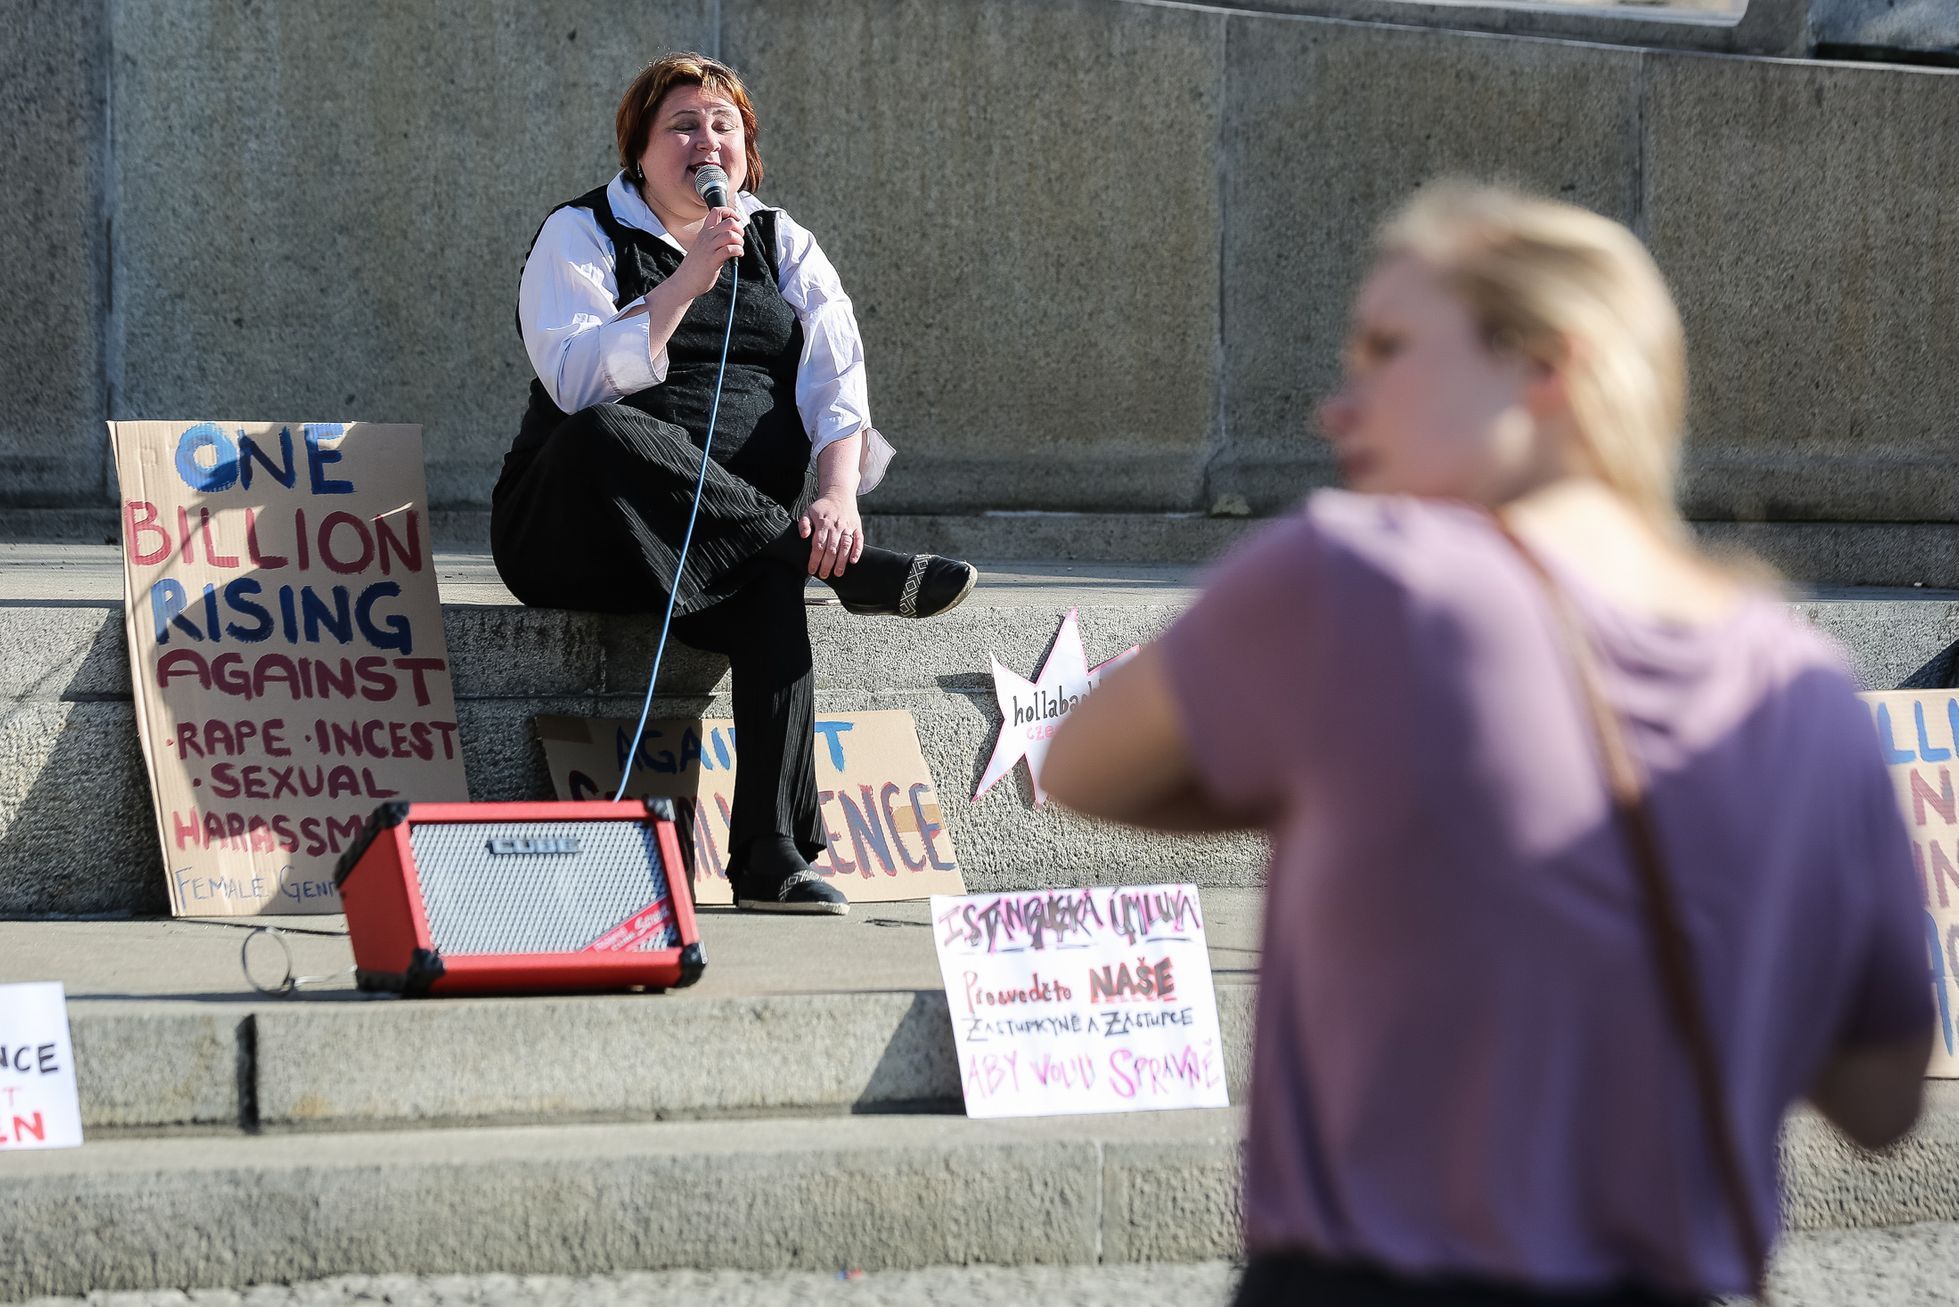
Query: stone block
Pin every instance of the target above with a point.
(140, 1067)
(1891, 645)
(688, 1057)
(1237, 1008)
(1329, 127)
(1060, 537)
(1725, 26)
(557, 1200)
(1802, 216)
(1905, 554)
(1829, 1183)
(501, 755)
(77, 830)
(1022, 200)
(1173, 1202)
(505, 650)
(1878, 26)
(323, 208)
(54, 78)
(627, 645)
(63, 651)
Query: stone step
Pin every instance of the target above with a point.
(875, 1192)
(1813, 553)
(77, 830)
(1829, 1268)
(804, 1023)
(792, 1015)
(76, 827)
(879, 1192)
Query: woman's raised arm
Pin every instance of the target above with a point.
(1121, 754)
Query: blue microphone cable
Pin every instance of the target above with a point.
(693, 515)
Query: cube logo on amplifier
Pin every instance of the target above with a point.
(518, 898)
(546, 844)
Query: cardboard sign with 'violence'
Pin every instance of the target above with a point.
(879, 807)
(286, 649)
(1919, 731)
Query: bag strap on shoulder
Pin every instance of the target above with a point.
(1666, 931)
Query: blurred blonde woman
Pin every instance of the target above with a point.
(1585, 863)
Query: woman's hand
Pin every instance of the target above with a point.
(834, 531)
(718, 242)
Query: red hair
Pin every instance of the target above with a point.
(642, 101)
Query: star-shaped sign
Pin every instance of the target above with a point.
(1031, 710)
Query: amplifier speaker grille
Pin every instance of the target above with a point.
(480, 901)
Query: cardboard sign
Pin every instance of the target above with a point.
(1920, 734)
(887, 835)
(285, 641)
(39, 1106)
(1081, 1000)
(1031, 711)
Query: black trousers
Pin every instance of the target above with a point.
(594, 519)
(1301, 1281)
(763, 629)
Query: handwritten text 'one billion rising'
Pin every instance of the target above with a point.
(304, 605)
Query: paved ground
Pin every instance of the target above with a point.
(1125, 1286)
(1908, 1267)
(1093, 1286)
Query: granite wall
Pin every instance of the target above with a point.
(1102, 250)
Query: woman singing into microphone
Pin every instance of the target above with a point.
(623, 308)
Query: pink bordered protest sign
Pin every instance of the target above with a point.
(1081, 1000)
(1031, 711)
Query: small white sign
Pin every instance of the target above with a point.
(1081, 1000)
(1031, 711)
(39, 1107)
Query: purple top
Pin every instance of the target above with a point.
(1463, 1063)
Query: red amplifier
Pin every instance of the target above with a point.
(519, 898)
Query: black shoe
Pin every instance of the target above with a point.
(771, 875)
(801, 891)
(930, 585)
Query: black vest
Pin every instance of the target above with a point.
(758, 433)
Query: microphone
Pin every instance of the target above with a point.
(711, 184)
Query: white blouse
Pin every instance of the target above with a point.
(587, 351)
